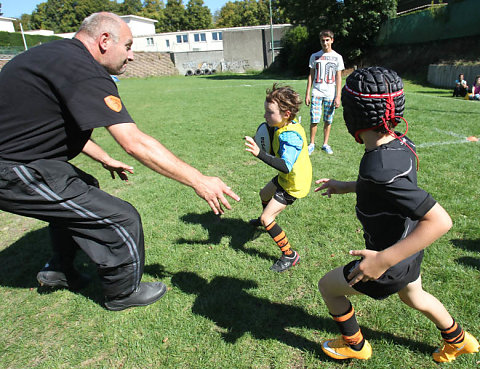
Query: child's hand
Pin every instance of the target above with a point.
(334, 187)
(251, 146)
(369, 269)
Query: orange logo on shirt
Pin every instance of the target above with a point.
(113, 103)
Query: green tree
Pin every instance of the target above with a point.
(295, 50)
(26, 20)
(228, 16)
(245, 13)
(354, 23)
(356, 38)
(155, 9)
(197, 15)
(131, 7)
(66, 15)
(175, 16)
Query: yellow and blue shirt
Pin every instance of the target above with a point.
(290, 144)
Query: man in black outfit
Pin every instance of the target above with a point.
(51, 98)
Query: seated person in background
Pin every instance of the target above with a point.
(475, 95)
(461, 87)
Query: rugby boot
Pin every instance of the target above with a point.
(338, 349)
(450, 351)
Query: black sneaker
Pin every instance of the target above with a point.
(145, 294)
(72, 279)
(285, 262)
(255, 222)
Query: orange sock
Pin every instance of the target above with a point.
(349, 328)
(278, 235)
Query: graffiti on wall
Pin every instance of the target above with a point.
(194, 69)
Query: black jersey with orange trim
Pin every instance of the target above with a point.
(51, 98)
(389, 202)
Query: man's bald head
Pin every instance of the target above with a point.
(97, 23)
(109, 39)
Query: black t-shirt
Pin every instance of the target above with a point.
(51, 98)
(389, 202)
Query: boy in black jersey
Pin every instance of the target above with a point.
(399, 220)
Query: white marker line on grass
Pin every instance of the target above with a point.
(429, 144)
(450, 133)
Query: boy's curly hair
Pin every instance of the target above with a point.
(286, 98)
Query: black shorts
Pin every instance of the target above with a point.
(393, 280)
(281, 195)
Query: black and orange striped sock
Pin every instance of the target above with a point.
(349, 328)
(278, 235)
(454, 334)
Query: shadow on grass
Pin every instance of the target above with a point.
(469, 245)
(23, 259)
(225, 301)
(239, 232)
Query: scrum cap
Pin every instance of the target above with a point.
(372, 97)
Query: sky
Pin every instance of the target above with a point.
(15, 8)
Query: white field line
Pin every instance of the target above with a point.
(450, 133)
(430, 144)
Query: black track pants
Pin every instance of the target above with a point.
(106, 228)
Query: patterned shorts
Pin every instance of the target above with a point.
(318, 104)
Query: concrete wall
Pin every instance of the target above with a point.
(244, 49)
(202, 60)
(250, 49)
(445, 75)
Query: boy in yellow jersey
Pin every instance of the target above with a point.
(290, 159)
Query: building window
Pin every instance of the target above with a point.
(277, 44)
(217, 36)
(200, 37)
(168, 43)
(150, 41)
(182, 39)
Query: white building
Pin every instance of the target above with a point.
(6, 24)
(182, 41)
(140, 26)
(41, 32)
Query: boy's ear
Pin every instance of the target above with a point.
(287, 114)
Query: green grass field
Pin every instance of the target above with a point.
(225, 308)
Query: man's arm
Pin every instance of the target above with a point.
(95, 152)
(338, 86)
(157, 157)
(309, 87)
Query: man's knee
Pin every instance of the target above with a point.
(125, 213)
